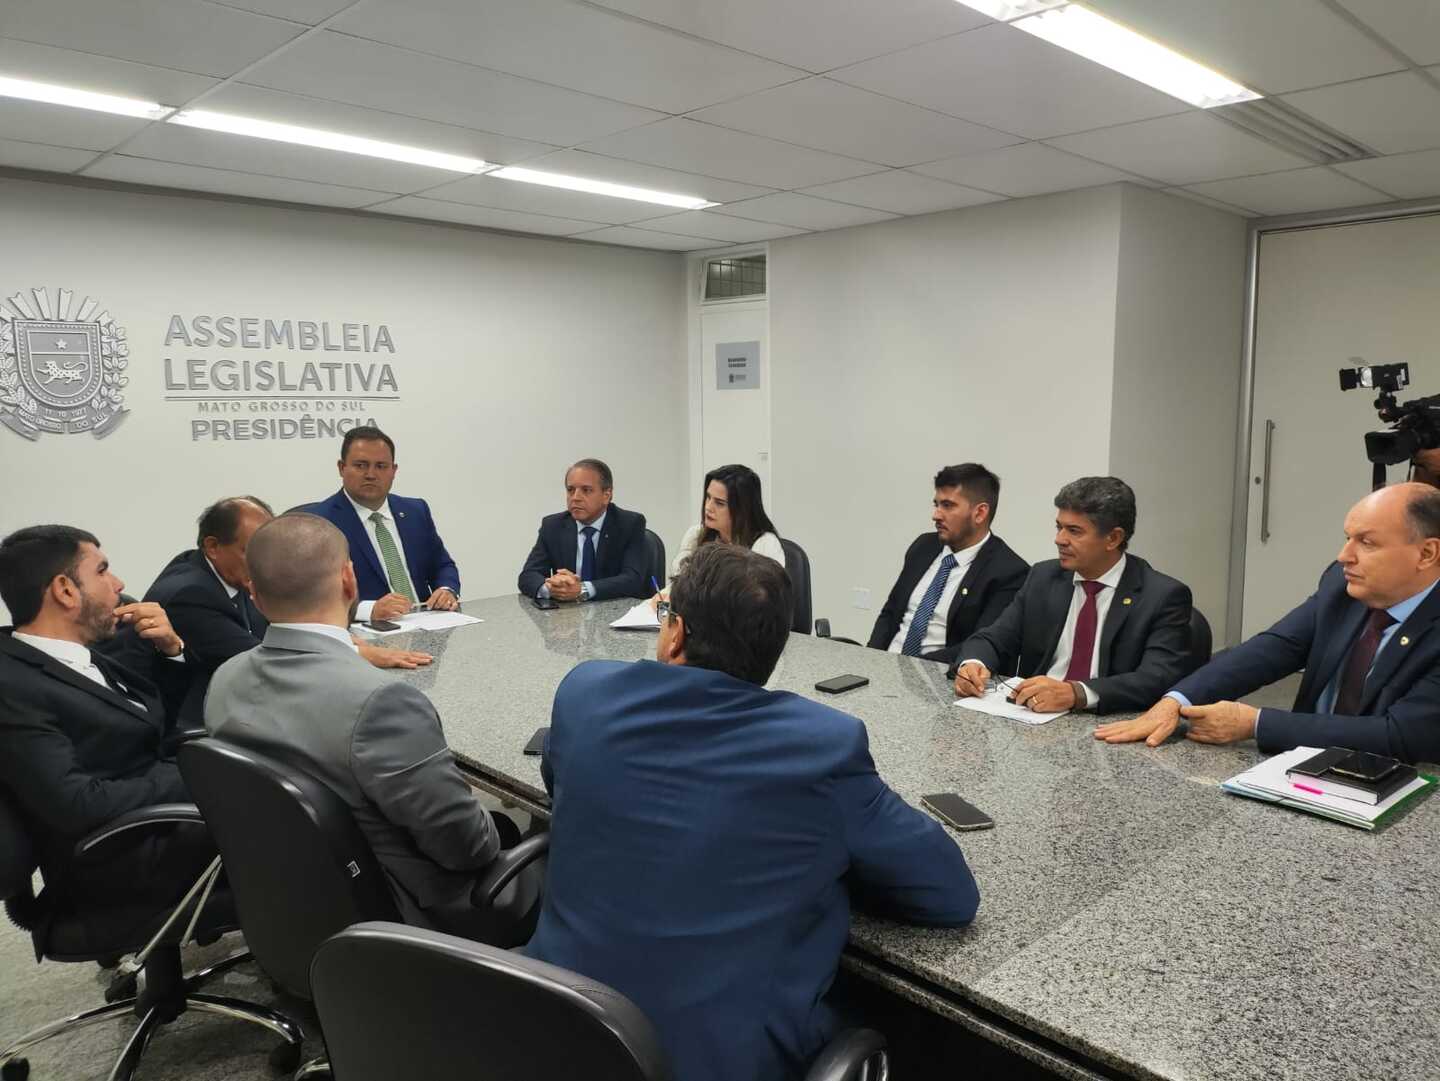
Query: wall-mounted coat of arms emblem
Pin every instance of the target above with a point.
(62, 365)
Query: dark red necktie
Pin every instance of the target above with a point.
(1084, 635)
(1359, 663)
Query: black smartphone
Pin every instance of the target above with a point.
(955, 812)
(537, 742)
(838, 684)
(382, 625)
(1364, 766)
(546, 603)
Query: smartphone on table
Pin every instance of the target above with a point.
(956, 812)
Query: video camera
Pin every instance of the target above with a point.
(1414, 425)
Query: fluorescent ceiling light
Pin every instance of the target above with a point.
(325, 140)
(1005, 10)
(602, 187)
(82, 99)
(1121, 49)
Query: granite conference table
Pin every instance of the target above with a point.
(1135, 920)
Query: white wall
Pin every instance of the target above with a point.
(513, 357)
(1178, 329)
(985, 334)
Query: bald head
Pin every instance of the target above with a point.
(300, 570)
(1392, 544)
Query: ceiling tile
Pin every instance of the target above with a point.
(538, 199)
(788, 32)
(902, 192)
(843, 119)
(1031, 169)
(60, 125)
(414, 206)
(805, 211)
(195, 178)
(55, 159)
(638, 175)
(1293, 192)
(83, 71)
(1213, 204)
(732, 155)
(1182, 149)
(339, 68)
(1272, 46)
(218, 150)
(1412, 26)
(1390, 113)
(1011, 81)
(203, 38)
(309, 12)
(573, 45)
(641, 238)
(720, 228)
(1406, 176)
(285, 108)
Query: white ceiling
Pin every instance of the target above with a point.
(795, 116)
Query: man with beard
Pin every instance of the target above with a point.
(81, 733)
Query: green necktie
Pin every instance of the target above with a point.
(394, 565)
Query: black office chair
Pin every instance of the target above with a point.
(1200, 639)
(86, 928)
(500, 1014)
(655, 547)
(798, 564)
(822, 630)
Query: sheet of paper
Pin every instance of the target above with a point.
(641, 617)
(425, 621)
(994, 704)
(1268, 778)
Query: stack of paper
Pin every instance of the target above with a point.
(1267, 781)
(995, 704)
(642, 618)
(426, 621)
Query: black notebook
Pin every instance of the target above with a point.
(1358, 775)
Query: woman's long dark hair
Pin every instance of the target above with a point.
(748, 520)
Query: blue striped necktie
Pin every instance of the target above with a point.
(915, 636)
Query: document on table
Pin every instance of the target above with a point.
(640, 618)
(1267, 781)
(994, 703)
(425, 621)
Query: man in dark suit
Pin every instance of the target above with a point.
(708, 834)
(81, 735)
(592, 550)
(1095, 629)
(957, 578)
(1366, 640)
(400, 560)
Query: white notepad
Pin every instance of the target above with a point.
(426, 621)
(994, 703)
(642, 618)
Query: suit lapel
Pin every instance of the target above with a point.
(972, 576)
(1057, 610)
(65, 674)
(407, 523)
(354, 530)
(1319, 677)
(608, 545)
(1405, 637)
(1127, 596)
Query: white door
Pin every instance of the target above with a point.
(1324, 295)
(734, 405)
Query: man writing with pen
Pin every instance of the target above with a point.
(593, 550)
(1096, 629)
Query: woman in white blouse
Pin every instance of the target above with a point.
(732, 513)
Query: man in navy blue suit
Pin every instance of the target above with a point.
(708, 835)
(1365, 640)
(591, 551)
(400, 560)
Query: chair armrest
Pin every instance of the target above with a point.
(160, 814)
(507, 865)
(822, 628)
(844, 1057)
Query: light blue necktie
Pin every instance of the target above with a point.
(915, 636)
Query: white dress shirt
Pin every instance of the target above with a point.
(328, 630)
(362, 613)
(230, 591)
(939, 619)
(587, 589)
(74, 655)
(1066, 646)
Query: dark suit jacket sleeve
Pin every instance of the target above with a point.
(40, 769)
(902, 863)
(630, 582)
(998, 645)
(402, 763)
(1257, 662)
(1000, 596)
(1162, 662)
(1409, 729)
(538, 565)
(211, 635)
(442, 569)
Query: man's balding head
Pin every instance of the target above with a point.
(1392, 544)
(300, 570)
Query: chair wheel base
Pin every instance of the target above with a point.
(284, 1058)
(17, 1069)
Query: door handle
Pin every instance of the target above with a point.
(1265, 483)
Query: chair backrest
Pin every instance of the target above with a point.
(397, 1001)
(656, 563)
(798, 564)
(1201, 641)
(297, 863)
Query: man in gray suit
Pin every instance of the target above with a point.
(305, 696)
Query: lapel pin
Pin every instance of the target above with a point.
(1125, 601)
(402, 514)
(1404, 641)
(965, 592)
